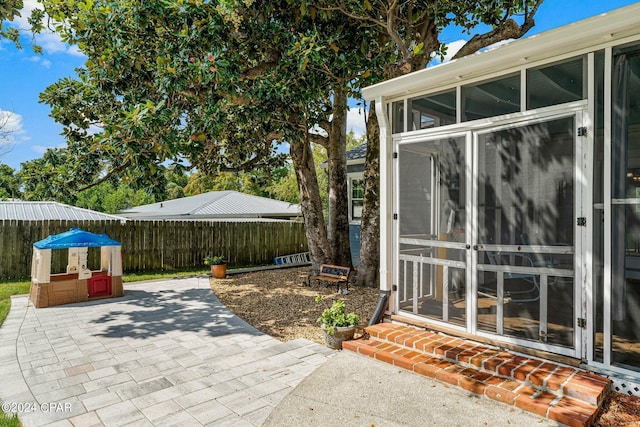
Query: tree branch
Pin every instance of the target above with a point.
(111, 173)
(507, 29)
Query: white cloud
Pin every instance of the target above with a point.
(355, 121)
(453, 48)
(39, 59)
(11, 127)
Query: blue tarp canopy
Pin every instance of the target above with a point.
(75, 238)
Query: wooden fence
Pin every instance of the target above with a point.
(156, 245)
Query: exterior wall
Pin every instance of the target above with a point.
(586, 39)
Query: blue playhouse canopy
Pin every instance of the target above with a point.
(75, 238)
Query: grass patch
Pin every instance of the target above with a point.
(9, 421)
(8, 288)
(158, 275)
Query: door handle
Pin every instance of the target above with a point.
(475, 247)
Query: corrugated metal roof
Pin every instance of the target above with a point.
(38, 211)
(215, 204)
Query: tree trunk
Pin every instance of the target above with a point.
(338, 199)
(310, 202)
(369, 268)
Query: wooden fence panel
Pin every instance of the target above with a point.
(155, 245)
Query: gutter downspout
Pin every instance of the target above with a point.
(381, 306)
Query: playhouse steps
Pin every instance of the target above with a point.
(561, 393)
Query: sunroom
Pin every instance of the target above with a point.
(510, 193)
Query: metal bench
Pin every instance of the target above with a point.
(331, 275)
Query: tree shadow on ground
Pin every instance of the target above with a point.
(167, 311)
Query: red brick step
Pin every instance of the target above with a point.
(561, 393)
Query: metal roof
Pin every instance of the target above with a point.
(39, 211)
(215, 204)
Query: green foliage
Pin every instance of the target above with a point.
(106, 198)
(53, 177)
(10, 9)
(61, 176)
(279, 184)
(336, 316)
(163, 95)
(284, 185)
(177, 179)
(199, 183)
(413, 27)
(218, 86)
(7, 289)
(9, 183)
(214, 260)
(220, 93)
(9, 421)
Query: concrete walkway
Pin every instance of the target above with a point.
(357, 391)
(167, 353)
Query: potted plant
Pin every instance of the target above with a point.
(218, 266)
(337, 325)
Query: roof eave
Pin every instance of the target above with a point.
(591, 32)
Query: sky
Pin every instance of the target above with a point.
(23, 75)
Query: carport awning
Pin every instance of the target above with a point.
(75, 238)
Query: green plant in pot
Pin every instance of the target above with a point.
(337, 325)
(218, 266)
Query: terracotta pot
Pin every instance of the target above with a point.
(342, 334)
(219, 271)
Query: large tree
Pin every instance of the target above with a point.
(413, 29)
(218, 84)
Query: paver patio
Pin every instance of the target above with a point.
(167, 353)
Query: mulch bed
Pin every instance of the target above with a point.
(278, 303)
